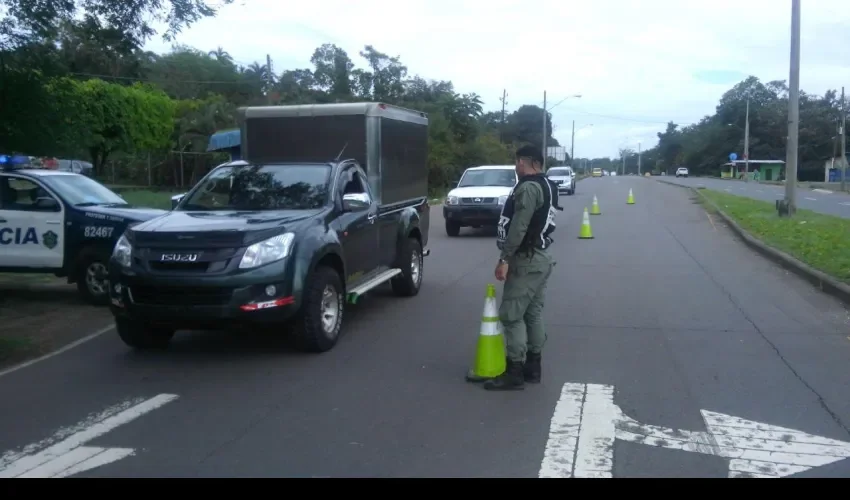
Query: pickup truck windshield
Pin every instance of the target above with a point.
(261, 187)
(81, 191)
(558, 172)
(501, 177)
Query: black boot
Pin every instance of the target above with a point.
(532, 371)
(511, 380)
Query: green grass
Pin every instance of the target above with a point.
(821, 241)
(153, 199)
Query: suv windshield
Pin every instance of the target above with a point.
(491, 177)
(82, 191)
(261, 187)
(559, 172)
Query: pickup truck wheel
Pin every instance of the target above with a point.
(317, 327)
(141, 336)
(407, 283)
(93, 277)
(452, 228)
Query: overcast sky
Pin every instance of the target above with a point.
(637, 64)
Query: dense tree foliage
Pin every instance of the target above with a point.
(85, 89)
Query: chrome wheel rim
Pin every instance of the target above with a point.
(416, 267)
(330, 310)
(97, 278)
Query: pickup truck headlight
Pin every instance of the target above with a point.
(503, 199)
(123, 252)
(451, 200)
(267, 251)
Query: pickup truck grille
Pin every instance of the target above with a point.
(180, 296)
(477, 201)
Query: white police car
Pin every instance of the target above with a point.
(61, 223)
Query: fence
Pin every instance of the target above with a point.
(172, 169)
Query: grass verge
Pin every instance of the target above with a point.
(821, 241)
(153, 199)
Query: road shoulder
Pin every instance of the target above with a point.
(819, 279)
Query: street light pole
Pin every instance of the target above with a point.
(639, 155)
(843, 142)
(789, 206)
(747, 144)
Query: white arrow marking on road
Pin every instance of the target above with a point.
(69, 456)
(845, 203)
(587, 422)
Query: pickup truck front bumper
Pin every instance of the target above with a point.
(203, 303)
(473, 215)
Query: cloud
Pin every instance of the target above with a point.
(637, 64)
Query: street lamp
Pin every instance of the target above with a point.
(545, 123)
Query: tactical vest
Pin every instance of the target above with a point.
(542, 223)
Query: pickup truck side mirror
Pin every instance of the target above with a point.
(47, 204)
(355, 202)
(176, 199)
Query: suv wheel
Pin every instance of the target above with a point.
(141, 336)
(92, 277)
(452, 228)
(407, 283)
(319, 321)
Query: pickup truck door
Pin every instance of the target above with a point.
(358, 231)
(32, 225)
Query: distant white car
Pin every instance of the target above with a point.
(681, 172)
(564, 177)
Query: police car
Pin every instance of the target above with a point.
(61, 223)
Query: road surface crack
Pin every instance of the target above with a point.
(823, 404)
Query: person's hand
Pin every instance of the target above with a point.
(501, 271)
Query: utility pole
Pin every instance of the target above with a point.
(544, 131)
(789, 204)
(624, 163)
(639, 155)
(843, 141)
(573, 144)
(504, 100)
(747, 144)
(269, 79)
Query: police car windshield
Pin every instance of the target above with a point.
(488, 177)
(80, 190)
(558, 172)
(261, 187)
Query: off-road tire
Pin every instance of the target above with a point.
(452, 229)
(308, 334)
(406, 284)
(87, 258)
(141, 336)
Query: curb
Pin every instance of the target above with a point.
(821, 280)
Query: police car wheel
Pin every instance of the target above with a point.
(407, 283)
(141, 336)
(317, 327)
(93, 278)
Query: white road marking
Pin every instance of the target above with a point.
(57, 352)
(846, 203)
(812, 199)
(586, 423)
(68, 456)
(825, 191)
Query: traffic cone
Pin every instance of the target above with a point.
(490, 352)
(586, 233)
(631, 199)
(594, 209)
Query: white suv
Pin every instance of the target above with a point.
(681, 172)
(478, 198)
(564, 177)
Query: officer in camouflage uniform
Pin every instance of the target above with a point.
(526, 222)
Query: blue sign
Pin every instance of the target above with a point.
(733, 157)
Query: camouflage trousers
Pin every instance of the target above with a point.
(523, 298)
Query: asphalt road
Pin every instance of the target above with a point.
(664, 307)
(823, 201)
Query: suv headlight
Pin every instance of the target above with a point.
(267, 251)
(451, 200)
(503, 199)
(123, 252)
